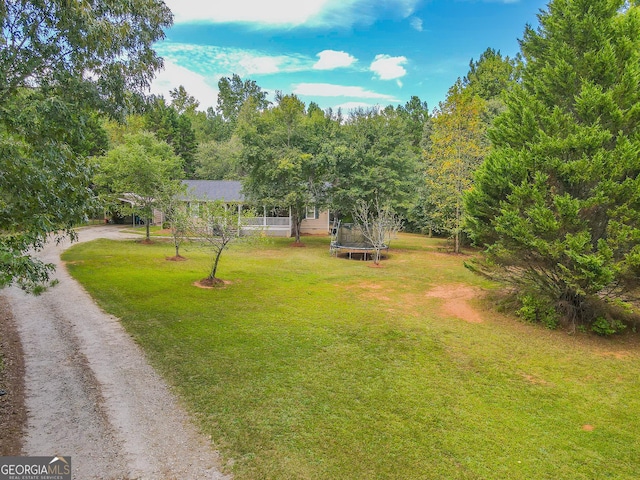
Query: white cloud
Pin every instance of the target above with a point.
(211, 60)
(274, 12)
(330, 59)
(388, 68)
(331, 90)
(260, 65)
(288, 13)
(416, 23)
(172, 76)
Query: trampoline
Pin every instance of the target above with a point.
(347, 239)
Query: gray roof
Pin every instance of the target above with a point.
(212, 190)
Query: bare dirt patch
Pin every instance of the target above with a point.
(456, 301)
(297, 245)
(210, 283)
(176, 258)
(13, 413)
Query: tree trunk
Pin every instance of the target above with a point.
(214, 269)
(297, 221)
(376, 257)
(148, 233)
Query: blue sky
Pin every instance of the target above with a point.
(337, 53)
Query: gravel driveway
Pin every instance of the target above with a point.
(90, 393)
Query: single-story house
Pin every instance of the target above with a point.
(275, 221)
(131, 200)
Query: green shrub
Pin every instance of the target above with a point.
(603, 327)
(534, 309)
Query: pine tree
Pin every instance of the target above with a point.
(557, 202)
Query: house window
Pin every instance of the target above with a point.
(312, 213)
(195, 209)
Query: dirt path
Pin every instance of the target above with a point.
(91, 394)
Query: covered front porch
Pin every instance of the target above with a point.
(272, 222)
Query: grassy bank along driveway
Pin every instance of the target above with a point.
(311, 366)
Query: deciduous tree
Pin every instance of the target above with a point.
(284, 158)
(60, 63)
(378, 224)
(173, 202)
(216, 227)
(234, 92)
(492, 74)
(143, 168)
(457, 149)
(219, 160)
(182, 102)
(374, 158)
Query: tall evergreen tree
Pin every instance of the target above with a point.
(417, 121)
(557, 202)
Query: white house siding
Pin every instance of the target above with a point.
(158, 217)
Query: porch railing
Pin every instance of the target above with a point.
(262, 222)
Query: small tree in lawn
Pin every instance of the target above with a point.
(378, 223)
(216, 228)
(178, 217)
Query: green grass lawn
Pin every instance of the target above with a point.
(308, 366)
